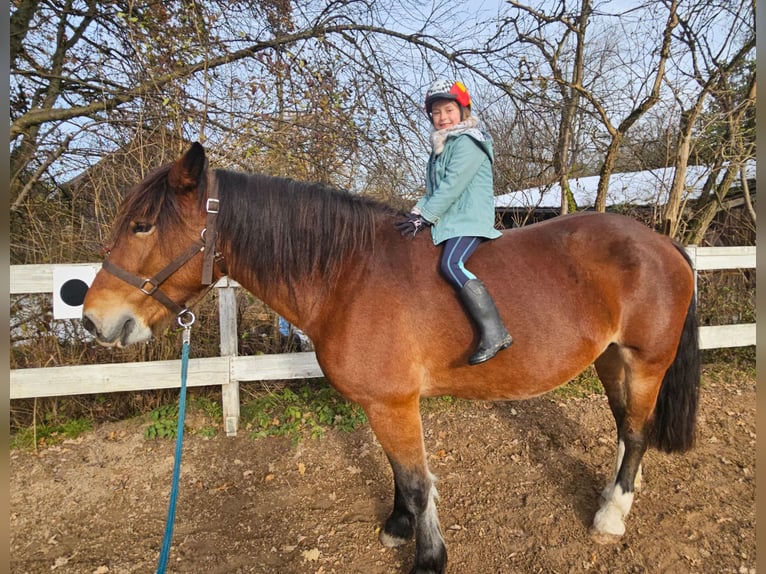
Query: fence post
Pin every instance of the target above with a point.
(227, 317)
(692, 251)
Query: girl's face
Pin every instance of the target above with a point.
(445, 114)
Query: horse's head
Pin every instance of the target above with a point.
(154, 264)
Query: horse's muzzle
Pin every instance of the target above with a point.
(123, 334)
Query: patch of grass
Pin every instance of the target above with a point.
(211, 408)
(208, 431)
(728, 366)
(165, 418)
(298, 412)
(440, 404)
(213, 411)
(50, 433)
(585, 384)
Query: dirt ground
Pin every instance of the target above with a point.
(519, 483)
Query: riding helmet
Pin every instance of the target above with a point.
(447, 90)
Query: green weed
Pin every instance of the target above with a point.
(165, 418)
(164, 422)
(296, 413)
(211, 408)
(208, 431)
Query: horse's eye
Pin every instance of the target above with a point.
(140, 227)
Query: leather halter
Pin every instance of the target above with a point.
(206, 244)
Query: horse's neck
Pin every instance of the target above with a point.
(305, 296)
(301, 306)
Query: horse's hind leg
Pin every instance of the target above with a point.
(610, 367)
(399, 430)
(631, 397)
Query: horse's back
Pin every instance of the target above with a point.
(583, 251)
(566, 289)
(591, 272)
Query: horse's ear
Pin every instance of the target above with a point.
(185, 174)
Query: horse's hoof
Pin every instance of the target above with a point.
(604, 538)
(390, 541)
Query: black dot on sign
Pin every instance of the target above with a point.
(73, 292)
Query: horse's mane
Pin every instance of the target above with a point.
(281, 230)
(272, 228)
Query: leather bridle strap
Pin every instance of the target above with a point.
(151, 286)
(210, 234)
(206, 244)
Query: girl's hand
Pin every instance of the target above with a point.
(412, 224)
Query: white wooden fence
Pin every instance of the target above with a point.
(229, 369)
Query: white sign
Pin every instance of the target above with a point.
(70, 284)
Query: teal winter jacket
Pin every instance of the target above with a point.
(459, 199)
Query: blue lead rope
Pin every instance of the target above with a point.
(179, 441)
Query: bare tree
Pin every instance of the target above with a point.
(568, 78)
(575, 85)
(617, 134)
(714, 55)
(300, 88)
(734, 147)
(333, 91)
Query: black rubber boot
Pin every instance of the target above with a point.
(482, 309)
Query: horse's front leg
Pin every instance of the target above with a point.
(400, 526)
(398, 428)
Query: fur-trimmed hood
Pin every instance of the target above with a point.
(469, 126)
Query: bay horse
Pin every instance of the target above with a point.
(388, 329)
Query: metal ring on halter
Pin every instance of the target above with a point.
(186, 318)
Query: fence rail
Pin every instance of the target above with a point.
(229, 370)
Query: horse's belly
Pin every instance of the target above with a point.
(495, 383)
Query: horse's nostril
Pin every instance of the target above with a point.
(89, 325)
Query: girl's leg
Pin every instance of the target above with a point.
(456, 252)
(494, 336)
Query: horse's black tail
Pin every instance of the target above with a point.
(675, 414)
